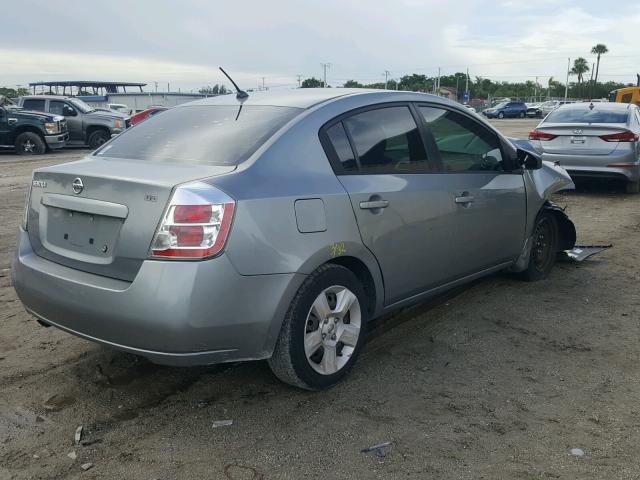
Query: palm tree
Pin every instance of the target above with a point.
(599, 49)
(580, 67)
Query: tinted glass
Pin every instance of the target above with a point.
(387, 140)
(464, 144)
(33, 104)
(586, 115)
(214, 135)
(340, 142)
(56, 107)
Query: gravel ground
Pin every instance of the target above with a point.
(497, 380)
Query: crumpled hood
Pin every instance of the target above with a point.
(551, 178)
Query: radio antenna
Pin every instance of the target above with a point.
(240, 93)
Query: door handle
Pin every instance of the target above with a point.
(466, 199)
(374, 204)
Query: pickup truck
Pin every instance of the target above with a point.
(87, 126)
(30, 133)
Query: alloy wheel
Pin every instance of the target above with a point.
(332, 329)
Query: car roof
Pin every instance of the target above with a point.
(296, 98)
(49, 97)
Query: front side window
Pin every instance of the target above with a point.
(56, 107)
(200, 134)
(35, 104)
(387, 140)
(464, 144)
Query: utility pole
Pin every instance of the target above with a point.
(566, 86)
(262, 82)
(386, 78)
(535, 91)
(466, 87)
(156, 86)
(324, 76)
(168, 87)
(299, 80)
(437, 92)
(592, 85)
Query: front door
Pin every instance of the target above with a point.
(489, 199)
(74, 121)
(404, 216)
(4, 127)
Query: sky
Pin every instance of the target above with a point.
(273, 41)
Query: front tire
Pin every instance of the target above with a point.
(323, 330)
(522, 115)
(98, 138)
(29, 143)
(544, 249)
(501, 115)
(633, 187)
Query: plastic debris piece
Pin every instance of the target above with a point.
(577, 452)
(72, 455)
(379, 450)
(78, 435)
(221, 423)
(86, 466)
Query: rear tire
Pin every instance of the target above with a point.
(29, 143)
(98, 138)
(501, 115)
(522, 115)
(309, 353)
(544, 249)
(633, 187)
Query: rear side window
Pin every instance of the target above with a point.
(587, 115)
(201, 134)
(33, 104)
(338, 138)
(387, 140)
(464, 144)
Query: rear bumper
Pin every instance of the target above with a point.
(596, 166)
(56, 141)
(174, 313)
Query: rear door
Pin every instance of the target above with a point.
(405, 215)
(488, 198)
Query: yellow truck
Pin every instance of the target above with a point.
(626, 95)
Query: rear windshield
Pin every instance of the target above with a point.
(200, 134)
(579, 115)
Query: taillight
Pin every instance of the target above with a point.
(626, 136)
(196, 224)
(543, 136)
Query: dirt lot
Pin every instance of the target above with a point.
(499, 380)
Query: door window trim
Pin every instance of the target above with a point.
(332, 155)
(507, 159)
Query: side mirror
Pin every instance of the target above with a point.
(529, 160)
(69, 112)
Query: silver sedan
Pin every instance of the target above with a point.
(593, 140)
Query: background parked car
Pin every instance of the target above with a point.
(551, 105)
(143, 115)
(30, 133)
(598, 140)
(534, 110)
(87, 126)
(121, 108)
(507, 110)
(469, 107)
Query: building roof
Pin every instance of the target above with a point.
(85, 83)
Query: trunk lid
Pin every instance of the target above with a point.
(105, 222)
(579, 139)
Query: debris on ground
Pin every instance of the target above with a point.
(78, 435)
(379, 450)
(577, 452)
(581, 252)
(86, 466)
(72, 455)
(221, 423)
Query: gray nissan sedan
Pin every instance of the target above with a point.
(276, 226)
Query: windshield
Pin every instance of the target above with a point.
(501, 104)
(201, 134)
(586, 115)
(80, 105)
